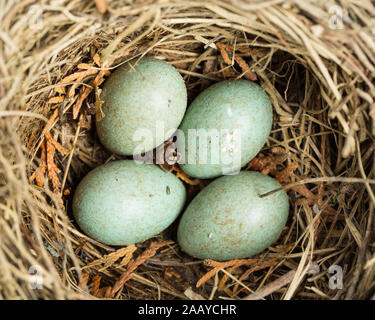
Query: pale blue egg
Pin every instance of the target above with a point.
(229, 220)
(122, 202)
(139, 102)
(236, 116)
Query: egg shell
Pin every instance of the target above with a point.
(228, 220)
(122, 202)
(233, 105)
(135, 97)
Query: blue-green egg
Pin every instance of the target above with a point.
(229, 220)
(224, 128)
(123, 202)
(142, 104)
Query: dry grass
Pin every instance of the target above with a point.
(320, 80)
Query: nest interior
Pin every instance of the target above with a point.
(316, 61)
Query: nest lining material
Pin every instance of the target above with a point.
(55, 55)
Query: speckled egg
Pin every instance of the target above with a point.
(236, 118)
(122, 202)
(228, 220)
(142, 103)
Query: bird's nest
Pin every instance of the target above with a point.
(316, 61)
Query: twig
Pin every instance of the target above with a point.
(95, 285)
(56, 144)
(83, 281)
(126, 275)
(184, 177)
(52, 169)
(70, 157)
(221, 265)
(223, 47)
(320, 179)
(38, 174)
(362, 250)
(192, 295)
(278, 283)
(272, 287)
